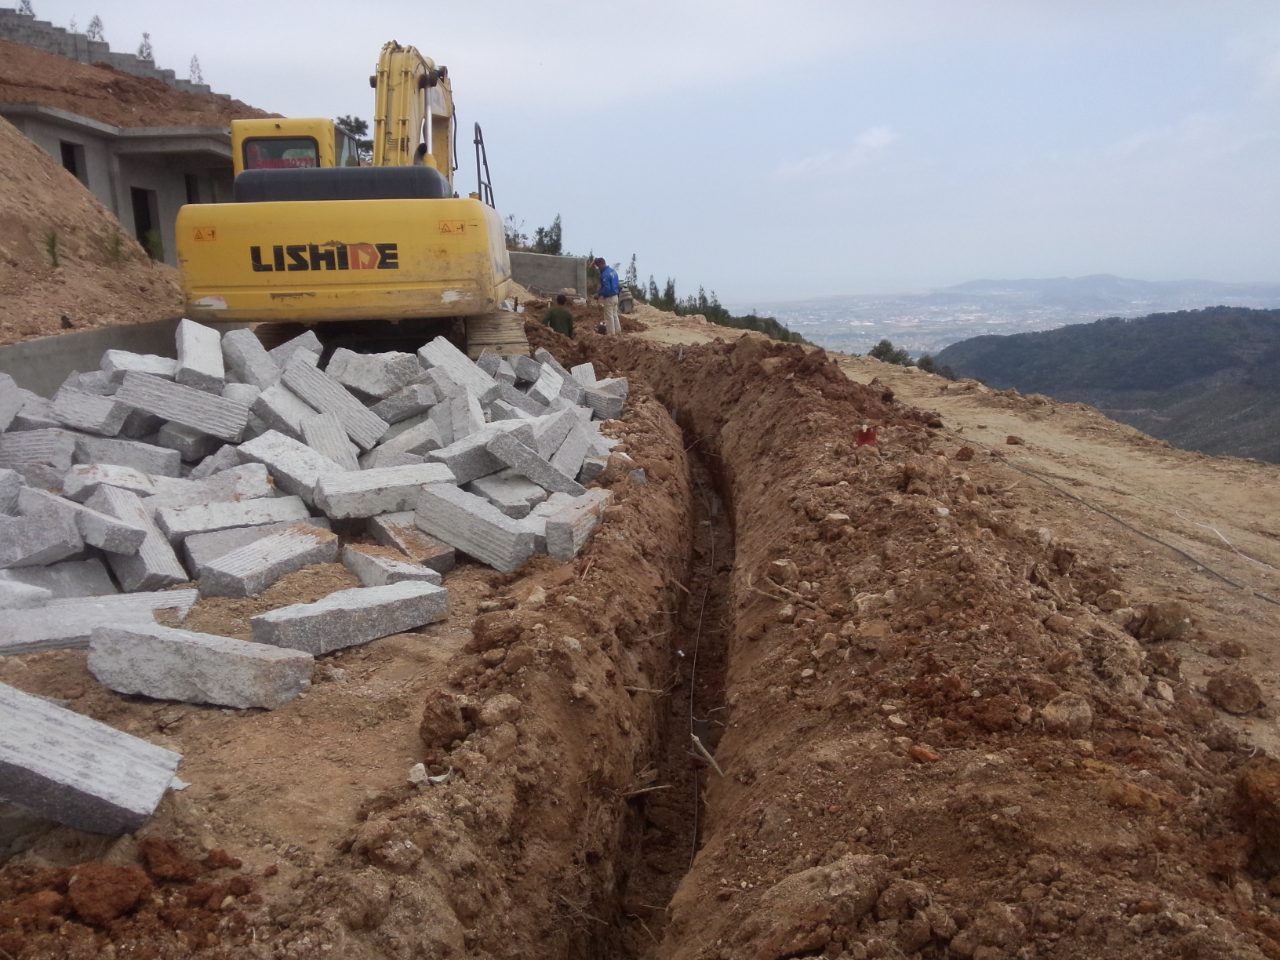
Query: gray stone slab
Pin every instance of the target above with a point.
(525, 461)
(420, 439)
(192, 445)
(155, 565)
(97, 529)
(442, 416)
(208, 413)
(380, 457)
(514, 495)
(376, 569)
(549, 432)
(32, 541)
(614, 387)
(441, 353)
(249, 481)
(489, 361)
(400, 530)
(36, 413)
(470, 458)
(327, 395)
(67, 624)
(245, 393)
(97, 382)
(202, 548)
(11, 400)
(407, 424)
(568, 457)
(89, 412)
(295, 466)
(10, 484)
(466, 414)
(368, 493)
(246, 357)
(15, 595)
(505, 373)
(53, 447)
(501, 410)
(584, 373)
(145, 457)
(282, 410)
(407, 402)
(81, 481)
(141, 426)
(180, 522)
(250, 569)
(373, 374)
(544, 356)
(351, 617)
(603, 405)
(474, 526)
(116, 363)
(571, 526)
(170, 664)
(39, 475)
(527, 370)
(71, 578)
(521, 400)
(547, 387)
(439, 380)
(199, 357)
(226, 457)
(592, 467)
(77, 771)
(306, 342)
(323, 433)
(536, 521)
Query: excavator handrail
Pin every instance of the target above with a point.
(484, 184)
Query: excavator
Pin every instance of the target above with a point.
(364, 254)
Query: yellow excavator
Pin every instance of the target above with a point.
(364, 253)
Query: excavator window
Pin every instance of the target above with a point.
(280, 153)
(346, 152)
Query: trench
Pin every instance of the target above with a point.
(665, 824)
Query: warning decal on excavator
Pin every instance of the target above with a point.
(205, 233)
(453, 226)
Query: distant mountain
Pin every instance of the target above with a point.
(1206, 380)
(928, 322)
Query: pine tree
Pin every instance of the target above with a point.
(197, 75)
(95, 31)
(549, 239)
(653, 289)
(72, 27)
(631, 280)
(27, 10)
(144, 48)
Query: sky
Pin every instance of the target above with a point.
(784, 150)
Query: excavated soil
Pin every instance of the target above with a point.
(102, 276)
(102, 93)
(942, 718)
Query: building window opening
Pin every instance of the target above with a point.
(73, 161)
(146, 222)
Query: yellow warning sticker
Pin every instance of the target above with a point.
(205, 233)
(453, 226)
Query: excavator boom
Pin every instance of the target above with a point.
(413, 111)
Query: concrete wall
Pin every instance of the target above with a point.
(41, 365)
(541, 273)
(43, 35)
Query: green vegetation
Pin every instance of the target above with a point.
(357, 128)
(154, 246)
(885, 352)
(116, 249)
(548, 240)
(929, 365)
(1206, 380)
(50, 240)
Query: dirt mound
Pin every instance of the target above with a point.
(101, 276)
(102, 93)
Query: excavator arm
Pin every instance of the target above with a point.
(413, 111)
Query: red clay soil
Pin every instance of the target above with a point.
(102, 276)
(102, 93)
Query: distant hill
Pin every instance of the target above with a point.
(1206, 380)
(926, 322)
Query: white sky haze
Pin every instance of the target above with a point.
(793, 149)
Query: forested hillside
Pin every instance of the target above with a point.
(1205, 380)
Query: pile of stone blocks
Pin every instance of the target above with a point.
(232, 466)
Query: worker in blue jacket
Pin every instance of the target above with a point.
(608, 295)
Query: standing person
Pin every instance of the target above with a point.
(558, 318)
(608, 295)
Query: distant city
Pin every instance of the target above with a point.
(927, 322)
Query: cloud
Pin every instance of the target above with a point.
(865, 147)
